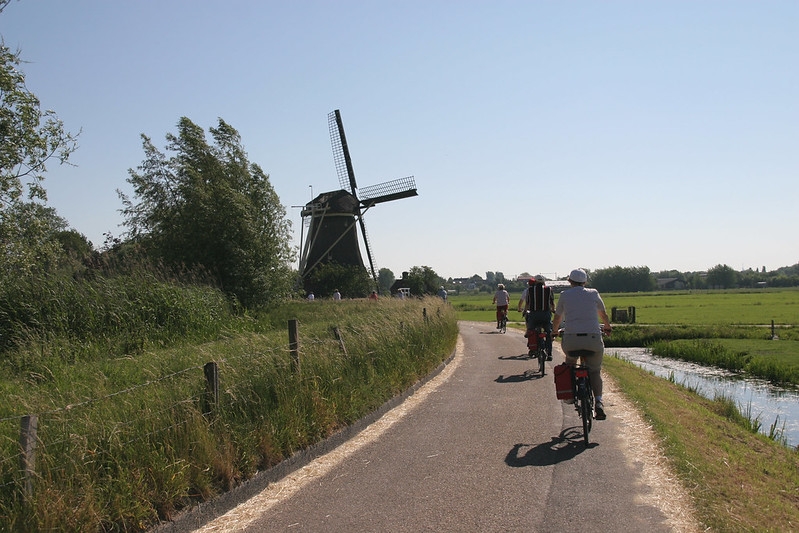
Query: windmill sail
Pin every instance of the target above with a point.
(341, 153)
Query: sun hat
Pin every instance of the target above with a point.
(578, 275)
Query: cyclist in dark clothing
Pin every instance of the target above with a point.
(538, 304)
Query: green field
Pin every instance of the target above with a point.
(730, 329)
(697, 308)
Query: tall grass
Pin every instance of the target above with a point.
(703, 351)
(719, 353)
(123, 441)
(60, 318)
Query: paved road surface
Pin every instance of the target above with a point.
(481, 447)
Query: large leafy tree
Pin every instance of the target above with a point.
(623, 279)
(29, 139)
(423, 280)
(205, 205)
(722, 277)
(351, 281)
(385, 279)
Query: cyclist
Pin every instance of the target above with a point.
(501, 300)
(537, 304)
(578, 308)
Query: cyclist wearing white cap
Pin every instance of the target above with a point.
(578, 308)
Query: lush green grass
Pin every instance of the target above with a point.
(757, 306)
(722, 328)
(738, 480)
(777, 361)
(706, 308)
(123, 440)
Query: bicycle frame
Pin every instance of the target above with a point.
(538, 336)
(583, 398)
(503, 322)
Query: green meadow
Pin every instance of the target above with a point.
(697, 308)
(730, 329)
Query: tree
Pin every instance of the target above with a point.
(29, 139)
(722, 277)
(423, 280)
(351, 281)
(207, 206)
(385, 279)
(619, 279)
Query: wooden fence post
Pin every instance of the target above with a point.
(211, 399)
(294, 345)
(424, 314)
(340, 339)
(27, 443)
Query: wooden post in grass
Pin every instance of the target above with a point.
(340, 340)
(211, 400)
(424, 314)
(27, 444)
(294, 345)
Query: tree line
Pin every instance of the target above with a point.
(641, 279)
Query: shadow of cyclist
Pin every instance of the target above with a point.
(527, 375)
(564, 447)
(520, 357)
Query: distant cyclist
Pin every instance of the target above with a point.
(578, 308)
(537, 304)
(501, 300)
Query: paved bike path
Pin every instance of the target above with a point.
(482, 447)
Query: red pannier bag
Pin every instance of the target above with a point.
(532, 341)
(563, 382)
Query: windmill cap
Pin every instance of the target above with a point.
(578, 275)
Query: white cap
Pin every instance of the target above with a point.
(578, 275)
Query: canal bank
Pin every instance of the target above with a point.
(775, 408)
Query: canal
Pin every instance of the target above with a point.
(756, 398)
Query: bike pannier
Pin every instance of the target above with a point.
(563, 382)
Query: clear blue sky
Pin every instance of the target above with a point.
(543, 135)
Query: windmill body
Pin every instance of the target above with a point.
(333, 235)
(333, 218)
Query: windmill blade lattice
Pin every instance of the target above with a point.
(341, 153)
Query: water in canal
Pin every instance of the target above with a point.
(755, 398)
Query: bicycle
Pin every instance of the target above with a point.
(538, 350)
(503, 322)
(583, 394)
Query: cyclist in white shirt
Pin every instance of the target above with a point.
(501, 300)
(579, 309)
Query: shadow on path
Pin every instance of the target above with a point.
(527, 375)
(520, 357)
(564, 447)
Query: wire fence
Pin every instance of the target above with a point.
(37, 445)
(95, 436)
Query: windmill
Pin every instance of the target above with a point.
(331, 217)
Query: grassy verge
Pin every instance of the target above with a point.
(126, 441)
(739, 480)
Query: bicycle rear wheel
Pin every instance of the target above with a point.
(585, 414)
(542, 357)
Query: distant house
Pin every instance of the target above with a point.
(665, 284)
